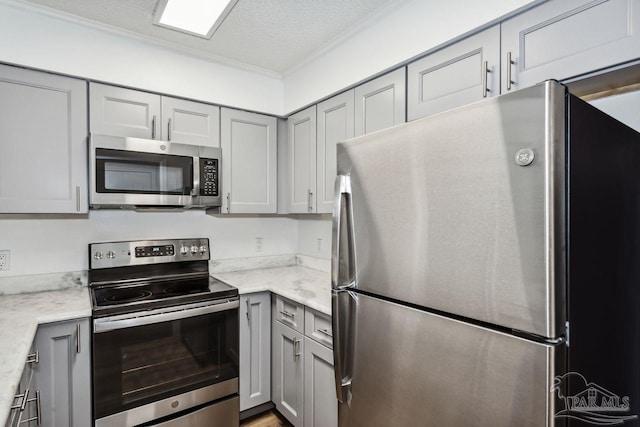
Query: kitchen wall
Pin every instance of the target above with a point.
(314, 235)
(402, 31)
(51, 245)
(34, 39)
(624, 106)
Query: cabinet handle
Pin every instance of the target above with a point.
(295, 346)
(485, 78)
(248, 310)
(326, 332)
(38, 410)
(286, 313)
(310, 201)
(228, 202)
(33, 358)
(169, 130)
(77, 198)
(510, 62)
(153, 127)
(78, 338)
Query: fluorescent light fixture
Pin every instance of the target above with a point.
(196, 17)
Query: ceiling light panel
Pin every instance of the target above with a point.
(196, 17)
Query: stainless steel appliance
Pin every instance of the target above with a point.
(485, 268)
(165, 336)
(139, 173)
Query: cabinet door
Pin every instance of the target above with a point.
(249, 162)
(464, 72)
(124, 112)
(189, 122)
(380, 103)
(320, 402)
(565, 38)
(301, 139)
(287, 372)
(63, 373)
(43, 143)
(335, 124)
(255, 350)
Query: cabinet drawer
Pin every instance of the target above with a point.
(289, 313)
(317, 326)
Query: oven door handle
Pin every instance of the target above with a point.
(106, 324)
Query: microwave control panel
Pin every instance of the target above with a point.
(209, 177)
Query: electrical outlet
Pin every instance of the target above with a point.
(4, 260)
(319, 245)
(258, 244)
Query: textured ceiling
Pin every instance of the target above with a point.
(275, 35)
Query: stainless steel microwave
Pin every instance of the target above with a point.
(140, 173)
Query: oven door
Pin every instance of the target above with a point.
(157, 363)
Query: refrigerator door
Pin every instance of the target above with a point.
(462, 212)
(413, 368)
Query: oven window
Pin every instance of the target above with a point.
(119, 171)
(138, 365)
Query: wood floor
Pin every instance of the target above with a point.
(267, 419)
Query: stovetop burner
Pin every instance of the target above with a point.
(126, 296)
(120, 299)
(143, 275)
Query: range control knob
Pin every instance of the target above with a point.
(98, 255)
(194, 249)
(111, 255)
(202, 249)
(184, 250)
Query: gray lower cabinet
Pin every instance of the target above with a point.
(287, 372)
(560, 39)
(25, 408)
(461, 73)
(320, 402)
(255, 349)
(303, 384)
(380, 103)
(249, 162)
(138, 114)
(63, 373)
(43, 143)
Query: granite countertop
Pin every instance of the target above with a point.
(301, 284)
(20, 315)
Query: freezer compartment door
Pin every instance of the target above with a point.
(461, 212)
(414, 368)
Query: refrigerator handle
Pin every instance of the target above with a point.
(343, 306)
(343, 239)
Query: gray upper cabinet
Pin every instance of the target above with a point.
(43, 143)
(190, 122)
(301, 149)
(255, 349)
(124, 112)
(63, 373)
(249, 162)
(459, 74)
(335, 124)
(380, 103)
(127, 112)
(565, 38)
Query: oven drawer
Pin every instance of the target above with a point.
(289, 313)
(221, 414)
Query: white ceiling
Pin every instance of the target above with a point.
(272, 35)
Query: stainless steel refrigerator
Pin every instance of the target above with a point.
(486, 268)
